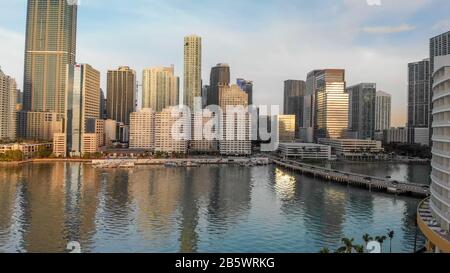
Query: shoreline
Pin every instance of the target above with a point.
(205, 160)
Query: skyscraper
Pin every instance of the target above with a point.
(362, 110)
(220, 75)
(439, 46)
(294, 94)
(382, 111)
(8, 99)
(434, 213)
(235, 125)
(247, 87)
(82, 104)
(160, 88)
(50, 46)
(121, 94)
(419, 97)
(192, 70)
(329, 103)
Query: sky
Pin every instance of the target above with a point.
(267, 41)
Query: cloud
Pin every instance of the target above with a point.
(443, 25)
(388, 29)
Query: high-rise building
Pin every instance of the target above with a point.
(111, 132)
(419, 97)
(236, 137)
(160, 88)
(205, 93)
(142, 130)
(50, 46)
(220, 76)
(192, 70)
(294, 100)
(439, 46)
(434, 213)
(382, 111)
(361, 114)
(82, 104)
(103, 113)
(165, 141)
(8, 97)
(40, 125)
(202, 141)
(121, 94)
(330, 103)
(247, 87)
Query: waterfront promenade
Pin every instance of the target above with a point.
(353, 179)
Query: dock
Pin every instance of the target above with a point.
(354, 179)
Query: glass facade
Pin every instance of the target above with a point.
(362, 110)
(50, 47)
(331, 104)
(121, 94)
(160, 88)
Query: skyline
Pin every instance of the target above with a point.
(375, 47)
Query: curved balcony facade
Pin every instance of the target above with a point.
(440, 194)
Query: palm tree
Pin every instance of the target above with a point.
(390, 234)
(367, 238)
(347, 247)
(359, 248)
(381, 240)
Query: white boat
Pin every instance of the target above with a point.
(170, 164)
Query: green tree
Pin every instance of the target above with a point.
(367, 238)
(43, 152)
(381, 240)
(11, 156)
(347, 247)
(325, 250)
(390, 234)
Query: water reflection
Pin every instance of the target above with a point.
(206, 209)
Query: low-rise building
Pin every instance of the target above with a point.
(353, 148)
(306, 151)
(90, 144)
(28, 149)
(422, 136)
(396, 135)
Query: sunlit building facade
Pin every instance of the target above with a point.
(8, 98)
(82, 104)
(331, 104)
(142, 130)
(192, 70)
(160, 88)
(165, 141)
(50, 46)
(236, 138)
(286, 128)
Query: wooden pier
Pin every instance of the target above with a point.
(353, 179)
